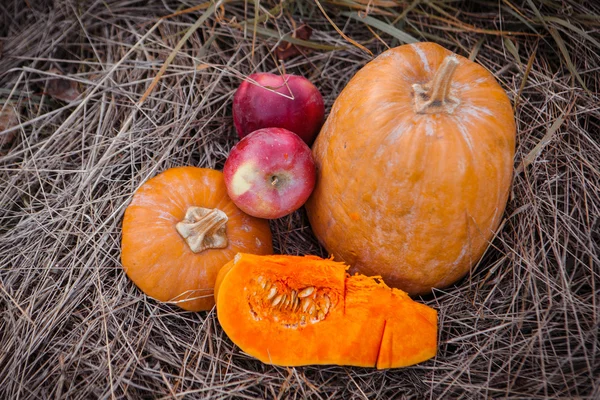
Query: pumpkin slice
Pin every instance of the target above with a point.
(292, 311)
(180, 229)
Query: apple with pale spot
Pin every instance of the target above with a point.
(270, 173)
(267, 100)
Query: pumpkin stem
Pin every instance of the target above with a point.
(434, 97)
(203, 228)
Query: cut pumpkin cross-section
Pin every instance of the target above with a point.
(292, 311)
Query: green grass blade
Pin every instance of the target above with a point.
(575, 29)
(565, 53)
(382, 26)
(289, 38)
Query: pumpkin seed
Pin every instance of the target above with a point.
(282, 302)
(264, 283)
(272, 293)
(286, 302)
(306, 292)
(327, 303)
(306, 303)
(277, 300)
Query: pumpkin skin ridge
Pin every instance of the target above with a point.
(420, 125)
(154, 273)
(312, 345)
(496, 126)
(364, 155)
(451, 275)
(421, 203)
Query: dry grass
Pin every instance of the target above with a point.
(525, 324)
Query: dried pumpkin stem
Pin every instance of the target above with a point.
(435, 96)
(203, 228)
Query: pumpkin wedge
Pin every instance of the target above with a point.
(293, 311)
(180, 229)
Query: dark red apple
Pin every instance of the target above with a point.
(269, 173)
(291, 102)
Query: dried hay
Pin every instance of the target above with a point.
(524, 324)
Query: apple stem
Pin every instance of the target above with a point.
(203, 228)
(274, 180)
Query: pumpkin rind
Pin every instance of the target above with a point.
(356, 321)
(157, 258)
(413, 197)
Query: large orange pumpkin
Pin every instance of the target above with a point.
(414, 166)
(291, 311)
(180, 229)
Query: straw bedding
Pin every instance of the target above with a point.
(80, 137)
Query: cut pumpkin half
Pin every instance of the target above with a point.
(293, 311)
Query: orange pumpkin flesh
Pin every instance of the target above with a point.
(429, 138)
(292, 311)
(180, 229)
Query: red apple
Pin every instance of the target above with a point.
(291, 102)
(269, 173)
